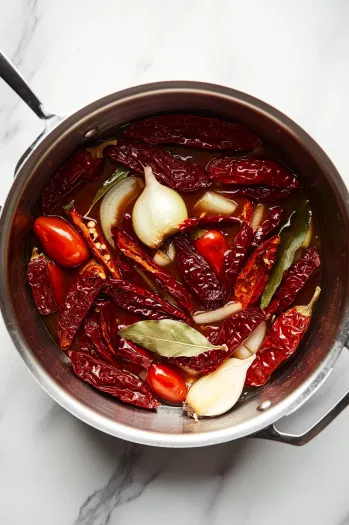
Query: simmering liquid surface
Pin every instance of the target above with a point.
(84, 194)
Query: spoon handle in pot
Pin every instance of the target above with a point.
(14, 79)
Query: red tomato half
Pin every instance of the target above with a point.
(167, 383)
(60, 241)
(212, 246)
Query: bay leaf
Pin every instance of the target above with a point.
(168, 338)
(292, 236)
(118, 175)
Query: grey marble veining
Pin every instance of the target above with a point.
(54, 469)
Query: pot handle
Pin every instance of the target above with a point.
(298, 440)
(10, 74)
(334, 386)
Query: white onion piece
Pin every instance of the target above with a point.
(215, 204)
(257, 216)
(252, 343)
(216, 393)
(161, 258)
(115, 202)
(165, 257)
(217, 315)
(158, 211)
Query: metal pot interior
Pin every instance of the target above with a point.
(293, 383)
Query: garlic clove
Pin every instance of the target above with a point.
(216, 393)
(158, 211)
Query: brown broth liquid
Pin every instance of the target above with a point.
(84, 194)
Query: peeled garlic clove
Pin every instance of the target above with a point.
(252, 343)
(158, 211)
(216, 393)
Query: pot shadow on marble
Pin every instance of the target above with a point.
(140, 469)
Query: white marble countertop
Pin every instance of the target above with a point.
(55, 470)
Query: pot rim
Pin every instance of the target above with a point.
(112, 427)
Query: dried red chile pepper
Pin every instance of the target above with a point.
(270, 224)
(207, 220)
(127, 272)
(107, 378)
(141, 301)
(93, 331)
(169, 170)
(84, 343)
(107, 313)
(258, 193)
(108, 317)
(198, 132)
(57, 282)
(39, 279)
(231, 332)
(247, 212)
(94, 239)
(294, 280)
(80, 167)
(135, 252)
(253, 278)
(201, 221)
(281, 342)
(134, 353)
(232, 170)
(78, 301)
(234, 259)
(197, 274)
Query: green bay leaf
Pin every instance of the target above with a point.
(118, 175)
(292, 236)
(168, 338)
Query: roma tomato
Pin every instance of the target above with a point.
(167, 383)
(60, 241)
(211, 246)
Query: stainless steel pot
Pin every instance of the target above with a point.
(293, 385)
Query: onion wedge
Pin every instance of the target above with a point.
(115, 202)
(166, 256)
(217, 315)
(257, 216)
(252, 344)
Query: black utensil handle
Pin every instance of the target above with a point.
(10, 74)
